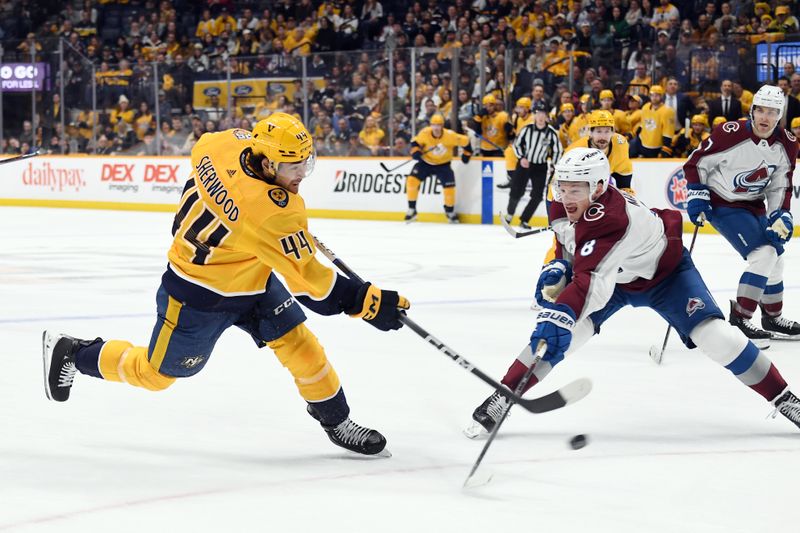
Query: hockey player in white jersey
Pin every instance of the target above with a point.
(612, 251)
(731, 175)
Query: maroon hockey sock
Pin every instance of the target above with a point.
(515, 374)
(772, 384)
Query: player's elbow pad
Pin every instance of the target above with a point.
(341, 297)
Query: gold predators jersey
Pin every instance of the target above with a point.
(579, 127)
(232, 230)
(657, 126)
(494, 129)
(439, 151)
(618, 158)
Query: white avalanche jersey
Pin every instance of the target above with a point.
(617, 242)
(742, 170)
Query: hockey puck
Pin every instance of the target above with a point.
(577, 442)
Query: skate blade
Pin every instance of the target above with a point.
(761, 344)
(656, 354)
(783, 337)
(49, 340)
(383, 453)
(475, 431)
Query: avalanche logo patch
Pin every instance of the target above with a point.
(730, 127)
(753, 181)
(279, 197)
(192, 361)
(693, 305)
(594, 212)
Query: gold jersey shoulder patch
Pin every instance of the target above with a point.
(279, 197)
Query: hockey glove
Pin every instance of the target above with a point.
(780, 227)
(381, 309)
(417, 156)
(554, 276)
(465, 158)
(554, 326)
(699, 203)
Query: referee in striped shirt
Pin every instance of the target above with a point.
(534, 145)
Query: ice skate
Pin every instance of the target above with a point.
(506, 185)
(411, 215)
(351, 436)
(788, 405)
(452, 218)
(780, 328)
(58, 357)
(757, 336)
(524, 226)
(486, 415)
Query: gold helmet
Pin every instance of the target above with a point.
(605, 93)
(567, 107)
(524, 102)
(795, 123)
(657, 89)
(601, 118)
(489, 99)
(437, 118)
(700, 119)
(718, 120)
(282, 138)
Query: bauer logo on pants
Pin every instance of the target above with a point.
(693, 305)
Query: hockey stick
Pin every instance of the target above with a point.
(541, 348)
(481, 137)
(524, 233)
(18, 157)
(658, 355)
(404, 163)
(570, 393)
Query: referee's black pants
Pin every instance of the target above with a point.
(536, 174)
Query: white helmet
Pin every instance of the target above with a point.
(589, 165)
(769, 96)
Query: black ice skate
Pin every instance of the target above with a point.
(411, 215)
(353, 437)
(486, 415)
(452, 218)
(757, 336)
(788, 405)
(506, 185)
(58, 356)
(780, 328)
(524, 226)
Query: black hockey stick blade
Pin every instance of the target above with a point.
(524, 233)
(567, 395)
(19, 157)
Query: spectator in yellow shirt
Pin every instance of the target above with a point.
(122, 111)
(207, 25)
(371, 136)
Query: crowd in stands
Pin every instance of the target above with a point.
(146, 55)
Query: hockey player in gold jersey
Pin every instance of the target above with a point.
(493, 125)
(685, 142)
(656, 128)
(240, 220)
(522, 117)
(432, 148)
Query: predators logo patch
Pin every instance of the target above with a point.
(279, 196)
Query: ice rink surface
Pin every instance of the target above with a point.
(683, 447)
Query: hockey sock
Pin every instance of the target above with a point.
(772, 299)
(449, 198)
(121, 361)
(755, 370)
(333, 411)
(412, 189)
(761, 263)
(301, 353)
(730, 348)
